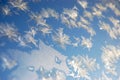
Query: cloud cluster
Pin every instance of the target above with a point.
(81, 66)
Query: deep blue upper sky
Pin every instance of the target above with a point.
(59, 40)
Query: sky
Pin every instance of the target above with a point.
(59, 39)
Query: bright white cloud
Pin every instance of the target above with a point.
(36, 60)
(61, 38)
(109, 57)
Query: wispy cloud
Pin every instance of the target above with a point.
(109, 57)
(69, 17)
(86, 42)
(61, 38)
(83, 3)
(9, 30)
(19, 4)
(29, 37)
(6, 10)
(41, 17)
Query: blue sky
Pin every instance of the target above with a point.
(59, 40)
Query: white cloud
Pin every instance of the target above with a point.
(9, 31)
(83, 3)
(40, 60)
(20, 4)
(86, 42)
(109, 57)
(61, 38)
(114, 32)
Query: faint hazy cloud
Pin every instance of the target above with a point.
(35, 66)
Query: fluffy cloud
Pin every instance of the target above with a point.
(110, 56)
